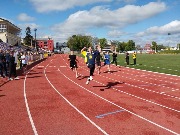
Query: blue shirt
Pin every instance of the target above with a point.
(91, 57)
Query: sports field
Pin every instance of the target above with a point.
(162, 63)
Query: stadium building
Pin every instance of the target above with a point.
(9, 33)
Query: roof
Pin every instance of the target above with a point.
(10, 23)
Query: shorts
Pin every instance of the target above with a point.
(73, 64)
(98, 63)
(24, 65)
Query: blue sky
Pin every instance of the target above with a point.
(142, 21)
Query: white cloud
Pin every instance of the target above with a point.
(160, 35)
(172, 27)
(31, 25)
(116, 34)
(102, 17)
(25, 18)
(61, 5)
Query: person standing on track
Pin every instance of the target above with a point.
(73, 62)
(91, 58)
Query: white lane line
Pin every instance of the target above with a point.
(27, 107)
(120, 106)
(104, 132)
(122, 91)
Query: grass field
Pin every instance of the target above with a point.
(162, 63)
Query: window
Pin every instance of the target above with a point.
(3, 28)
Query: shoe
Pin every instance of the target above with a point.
(17, 78)
(10, 79)
(88, 80)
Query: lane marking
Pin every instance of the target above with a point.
(40, 66)
(120, 106)
(27, 106)
(72, 104)
(109, 113)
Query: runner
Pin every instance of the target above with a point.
(84, 52)
(91, 57)
(107, 60)
(73, 62)
(114, 55)
(98, 59)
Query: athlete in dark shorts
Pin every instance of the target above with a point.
(73, 62)
(98, 62)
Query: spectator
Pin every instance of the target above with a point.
(114, 55)
(12, 67)
(127, 58)
(24, 59)
(1, 63)
(134, 57)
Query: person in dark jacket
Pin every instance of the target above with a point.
(12, 67)
(127, 58)
(2, 57)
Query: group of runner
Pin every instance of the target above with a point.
(92, 59)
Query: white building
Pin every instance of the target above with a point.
(9, 33)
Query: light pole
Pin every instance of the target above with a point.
(35, 38)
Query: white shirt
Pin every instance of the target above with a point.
(24, 59)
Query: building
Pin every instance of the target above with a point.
(9, 33)
(45, 43)
(62, 47)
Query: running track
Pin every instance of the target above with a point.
(49, 100)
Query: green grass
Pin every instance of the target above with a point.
(162, 63)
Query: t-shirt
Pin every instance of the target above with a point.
(91, 57)
(72, 57)
(84, 53)
(24, 59)
(98, 57)
(114, 55)
(134, 55)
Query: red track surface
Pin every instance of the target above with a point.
(49, 100)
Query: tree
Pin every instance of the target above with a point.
(154, 46)
(160, 47)
(77, 42)
(103, 42)
(178, 46)
(28, 38)
(121, 46)
(131, 45)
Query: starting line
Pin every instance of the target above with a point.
(109, 113)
